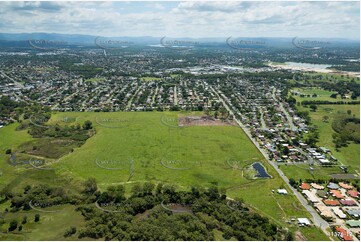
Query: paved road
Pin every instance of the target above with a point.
(317, 220)
(11, 79)
(309, 158)
(135, 94)
(289, 118)
(263, 123)
(154, 95)
(55, 106)
(175, 96)
(18, 84)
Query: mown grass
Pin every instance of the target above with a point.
(349, 155)
(303, 172)
(314, 234)
(322, 95)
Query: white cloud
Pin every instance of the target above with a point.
(185, 19)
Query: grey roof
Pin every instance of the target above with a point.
(332, 185)
(353, 211)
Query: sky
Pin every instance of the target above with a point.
(195, 19)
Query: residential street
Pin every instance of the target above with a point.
(317, 220)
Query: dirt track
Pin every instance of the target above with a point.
(202, 121)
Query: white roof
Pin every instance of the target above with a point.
(304, 221)
(282, 191)
(338, 212)
(310, 196)
(324, 161)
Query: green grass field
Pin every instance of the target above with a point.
(313, 78)
(132, 147)
(303, 172)
(322, 95)
(50, 227)
(154, 146)
(347, 155)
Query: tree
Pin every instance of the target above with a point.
(333, 95)
(13, 225)
(25, 219)
(223, 112)
(8, 151)
(90, 186)
(349, 112)
(290, 236)
(148, 188)
(87, 125)
(291, 100)
(292, 182)
(312, 139)
(286, 151)
(117, 193)
(216, 114)
(159, 188)
(37, 217)
(69, 232)
(137, 189)
(313, 107)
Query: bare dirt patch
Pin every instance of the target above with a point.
(202, 121)
(299, 236)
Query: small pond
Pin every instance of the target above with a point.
(261, 171)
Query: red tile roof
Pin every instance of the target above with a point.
(344, 185)
(331, 202)
(305, 186)
(353, 193)
(336, 193)
(344, 234)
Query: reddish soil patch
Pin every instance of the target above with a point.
(202, 121)
(177, 208)
(142, 216)
(299, 236)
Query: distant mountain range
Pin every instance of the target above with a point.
(9, 39)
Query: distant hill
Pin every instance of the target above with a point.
(22, 39)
